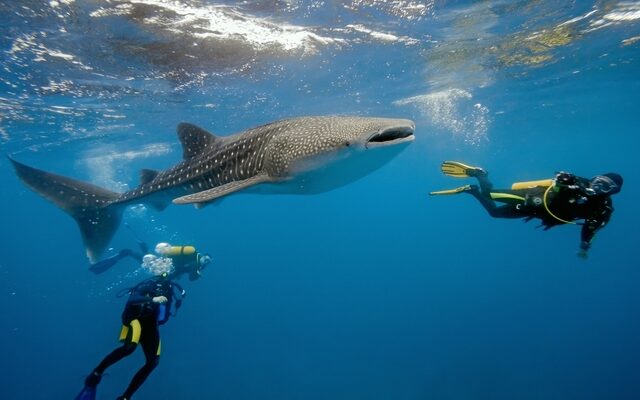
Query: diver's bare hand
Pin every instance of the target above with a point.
(160, 299)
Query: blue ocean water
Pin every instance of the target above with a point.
(373, 290)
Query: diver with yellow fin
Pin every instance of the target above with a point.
(564, 199)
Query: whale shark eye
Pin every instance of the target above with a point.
(347, 143)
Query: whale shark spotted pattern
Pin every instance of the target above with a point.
(294, 155)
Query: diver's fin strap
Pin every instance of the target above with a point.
(445, 192)
(219, 191)
(458, 169)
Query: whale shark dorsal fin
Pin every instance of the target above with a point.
(206, 196)
(194, 139)
(147, 175)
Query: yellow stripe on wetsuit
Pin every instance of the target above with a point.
(499, 196)
(136, 331)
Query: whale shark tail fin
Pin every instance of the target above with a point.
(91, 206)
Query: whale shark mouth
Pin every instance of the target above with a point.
(391, 136)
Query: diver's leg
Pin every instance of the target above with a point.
(93, 379)
(134, 254)
(130, 335)
(485, 183)
(143, 247)
(118, 354)
(150, 342)
(483, 195)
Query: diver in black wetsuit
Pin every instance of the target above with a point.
(149, 305)
(186, 259)
(562, 200)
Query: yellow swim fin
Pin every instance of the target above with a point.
(460, 170)
(457, 190)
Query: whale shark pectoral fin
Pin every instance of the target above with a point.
(211, 194)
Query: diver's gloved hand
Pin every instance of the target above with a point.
(582, 253)
(160, 299)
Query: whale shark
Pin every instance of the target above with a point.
(303, 155)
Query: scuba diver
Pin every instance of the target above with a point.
(564, 199)
(186, 259)
(149, 305)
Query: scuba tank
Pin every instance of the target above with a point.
(532, 184)
(162, 313)
(173, 251)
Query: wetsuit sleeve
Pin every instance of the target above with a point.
(597, 220)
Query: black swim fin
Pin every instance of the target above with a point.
(103, 265)
(87, 393)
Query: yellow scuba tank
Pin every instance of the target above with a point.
(532, 184)
(179, 251)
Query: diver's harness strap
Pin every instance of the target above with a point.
(546, 205)
(178, 301)
(549, 184)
